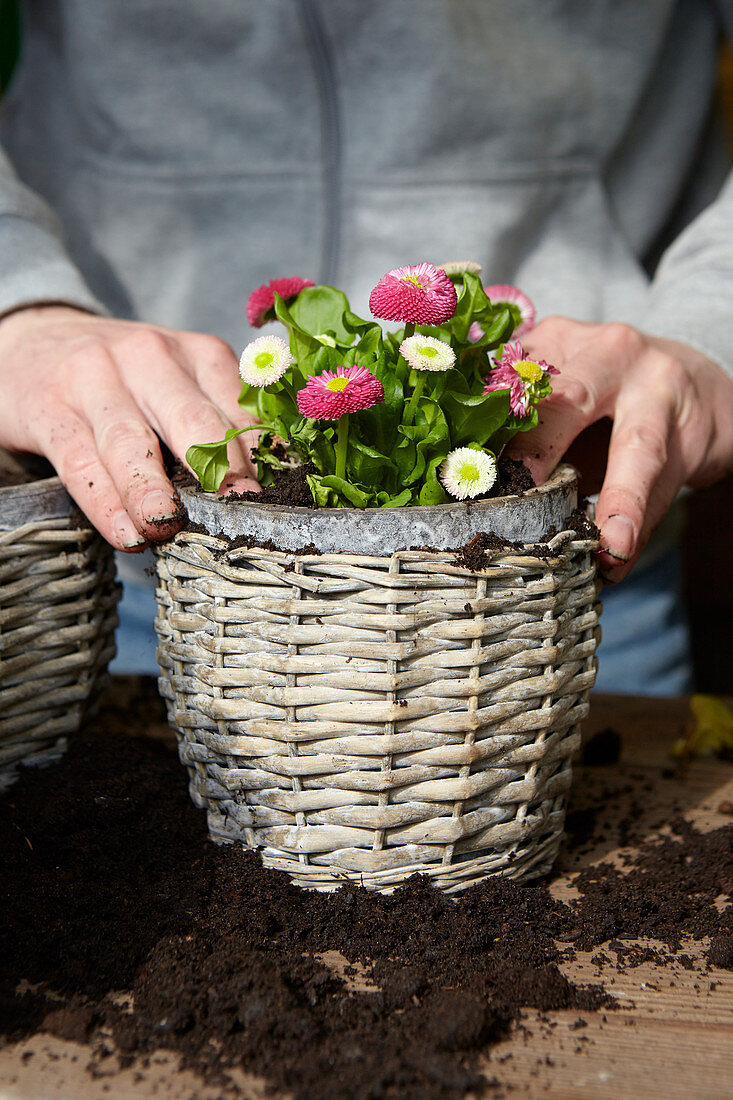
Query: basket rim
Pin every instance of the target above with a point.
(563, 474)
(35, 500)
(521, 517)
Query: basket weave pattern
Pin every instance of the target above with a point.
(367, 718)
(58, 601)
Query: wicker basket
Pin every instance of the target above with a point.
(363, 717)
(58, 602)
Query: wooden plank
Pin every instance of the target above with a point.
(673, 1035)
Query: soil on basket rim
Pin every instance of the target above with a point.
(478, 552)
(109, 883)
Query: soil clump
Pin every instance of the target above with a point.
(514, 477)
(602, 748)
(289, 488)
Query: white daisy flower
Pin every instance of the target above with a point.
(468, 473)
(460, 267)
(264, 361)
(427, 353)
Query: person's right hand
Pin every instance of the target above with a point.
(93, 395)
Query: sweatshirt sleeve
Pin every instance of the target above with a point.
(35, 268)
(691, 295)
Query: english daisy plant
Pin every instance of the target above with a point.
(387, 418)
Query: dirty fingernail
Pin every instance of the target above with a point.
(618, 537)
(158, 505)
(126, 531)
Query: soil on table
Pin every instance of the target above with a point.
(108, 883)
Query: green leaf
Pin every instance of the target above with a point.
(370, 342)
(428, 438)
(399, 500)
(209, 460)
(497, 327)
(278, 408)
(432, 492)
(248, 400)
(368, 466)
(267, 463)
(322, 309)
(474, 419)
(333, 491)
(377, 427)
(471, 302)
(314, 444)
(370, 346)
(304, 346)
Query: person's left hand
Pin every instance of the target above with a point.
(672, 413)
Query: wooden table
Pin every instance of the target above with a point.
(673, 1037)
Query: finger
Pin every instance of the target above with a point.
(216, 369)
(129, 450)
(71, 448)
(163, 384)
(581, 396)
(593, 361)
(641, 477)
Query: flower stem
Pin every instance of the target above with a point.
(409, 330)
(416, 395)
(342, 445)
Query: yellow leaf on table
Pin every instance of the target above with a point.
(709, 729)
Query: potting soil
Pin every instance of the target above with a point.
(109, 883)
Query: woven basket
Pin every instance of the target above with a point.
(363, 717)
(58, 602)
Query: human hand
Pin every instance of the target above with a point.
(93, 395)
(672, 413)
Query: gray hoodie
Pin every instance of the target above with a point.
(164, 157)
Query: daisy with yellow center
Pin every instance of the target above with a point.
(264, 361)
(427, 353)
(333, 395)
(526, 379)
(467, 472)
(419, 294)
(529, 371)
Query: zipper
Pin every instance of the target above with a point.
(331, 138)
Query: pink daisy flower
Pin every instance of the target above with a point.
(421, 295)
(525, 378)
(331, 394)
(502, 294)
(261, 302)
